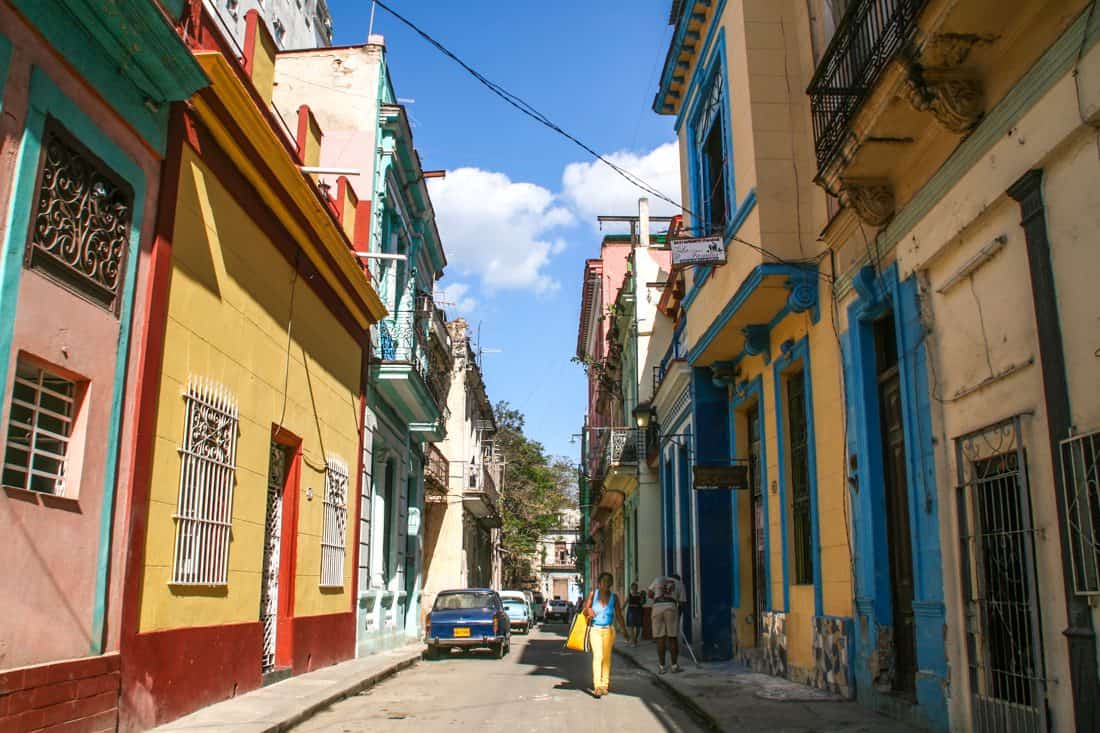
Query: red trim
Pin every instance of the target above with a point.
(303, 131)
(361, 237)
(150, 358)
(364, 380)
(288, 548)
(252, 22)
(168, 674)
(243, 193)
(342, 186)
(323, 640)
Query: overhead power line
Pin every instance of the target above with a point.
(526, 108)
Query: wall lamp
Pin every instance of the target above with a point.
(644, 414)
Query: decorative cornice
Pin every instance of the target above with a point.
(955, 101)
(758, 341)
(873, 201)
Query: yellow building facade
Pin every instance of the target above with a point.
(245, 509)
(772, 581)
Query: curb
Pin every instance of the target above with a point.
(694, 708)
(365, 684)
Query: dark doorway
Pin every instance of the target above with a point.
(389, 518)
(896, 488)
(756, 498)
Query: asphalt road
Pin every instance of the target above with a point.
(539, 686)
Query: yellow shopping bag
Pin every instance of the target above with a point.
(578, 634)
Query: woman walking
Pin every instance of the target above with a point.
(602, 609)
(634, 602)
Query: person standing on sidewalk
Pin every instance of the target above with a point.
(635, 600)
(667, 593)
(602, 609)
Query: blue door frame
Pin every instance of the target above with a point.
(879, 294)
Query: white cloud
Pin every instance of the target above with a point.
(498, 230)
(592, 188)
(455, 299)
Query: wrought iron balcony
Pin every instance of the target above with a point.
(436, 473)
(403, 338)
(869, 36)
(622, 447)
(675, 350)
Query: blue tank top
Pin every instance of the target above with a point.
(605, 612)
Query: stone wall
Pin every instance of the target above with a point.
(833, 645)
(775, 644)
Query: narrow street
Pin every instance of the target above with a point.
(539, 686)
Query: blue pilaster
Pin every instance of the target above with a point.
(712, 442)
(878, 295)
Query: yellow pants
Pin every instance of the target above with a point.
(602, 638)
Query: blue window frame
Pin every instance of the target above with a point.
(711, 153)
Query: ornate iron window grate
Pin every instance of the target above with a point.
(80, 230)
(335, 525)
(1081, 476)
(869, 36)
(208, 467)
(997, 543)
(269, 592)
(40, 423)
(799, 457)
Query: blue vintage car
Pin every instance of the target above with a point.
(468, 619)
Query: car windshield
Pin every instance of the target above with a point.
(462, 601)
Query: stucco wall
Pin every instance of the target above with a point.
(54, 545)
(228, 307)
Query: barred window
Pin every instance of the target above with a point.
(40, 424)
(208, 456)
(801, 517)
(336, 523)
(80, 226)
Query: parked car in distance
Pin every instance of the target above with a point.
(468, 619)
(540, 607)
(530, 596)
(557, 610)
(519, 615)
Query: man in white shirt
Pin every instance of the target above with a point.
(667, 593)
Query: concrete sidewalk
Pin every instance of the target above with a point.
(730, 697)
(284, 704)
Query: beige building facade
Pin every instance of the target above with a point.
(937, 180)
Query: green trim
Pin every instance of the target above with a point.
(46, 98)
(1043, 75)
(128, 50)
(5, 60)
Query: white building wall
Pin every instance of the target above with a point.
(292, 23)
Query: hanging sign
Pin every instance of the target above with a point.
(698, 251)
(732, 477)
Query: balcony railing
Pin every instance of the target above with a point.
(622, 448)
(675, 350)
(436, 470)
(869, 36)
(404, 338)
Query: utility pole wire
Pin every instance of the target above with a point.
(527, 109)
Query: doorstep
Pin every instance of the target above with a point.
(280, 706)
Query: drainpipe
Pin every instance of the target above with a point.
(1080, 636)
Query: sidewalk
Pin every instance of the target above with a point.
(284, 704)
(733, 698)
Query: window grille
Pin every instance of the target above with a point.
(208, 458)
(802, 519)
(1080, 473)
(81, 226)
(43, 407)
(336, 522)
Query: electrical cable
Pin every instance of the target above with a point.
(529, 110)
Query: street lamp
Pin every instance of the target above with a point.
(644, 414)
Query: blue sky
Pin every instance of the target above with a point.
(517, 210)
